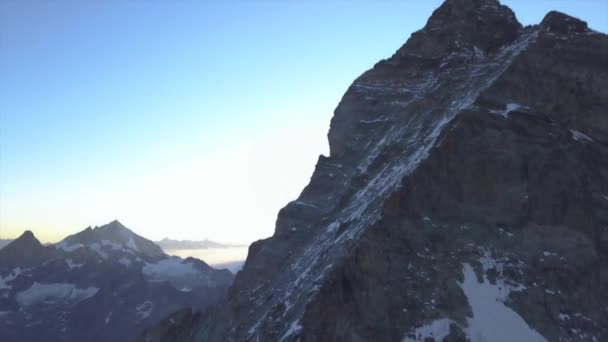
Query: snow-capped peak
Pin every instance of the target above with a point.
(110, 239)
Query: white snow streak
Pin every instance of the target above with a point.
(53, 292)
(294, 328)
(97, 248)
(65, 246)
(579, 136)
(170, 267)
(125, 261)
(72, 265)
(144, 310)
(131, 244)
(510, 108)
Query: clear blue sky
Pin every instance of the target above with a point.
(188, 119)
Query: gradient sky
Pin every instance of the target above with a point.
(186, 119)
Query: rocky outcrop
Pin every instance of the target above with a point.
(467, 180)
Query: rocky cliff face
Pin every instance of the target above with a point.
(465, 197)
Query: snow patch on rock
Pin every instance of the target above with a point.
(131, 244)
(11, 276)
(143, 310)
(510, 108)
(125, 261)
(294, 328)
(97, 248)
(121, 247)
(72, 265)
(579, 136)
(67, 247)
(169, 268)
(437, 330)
(492, 320)
(53, 292)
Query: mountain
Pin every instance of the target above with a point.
(4, 242)
(169, 244)
(465, 197)
(102, 284)
(113, 239)
(24, 252)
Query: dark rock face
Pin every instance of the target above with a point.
(102, 284)
(180, 325)
(465, 197)
(463, 23)
(562, 23)
(25, 251)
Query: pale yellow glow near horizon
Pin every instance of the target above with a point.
(231, 195)
(213, 256)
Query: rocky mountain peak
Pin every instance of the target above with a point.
(27, 239)
(562, 23)
(25, 251)
(109, 239)
(484, 24)
(114, 229)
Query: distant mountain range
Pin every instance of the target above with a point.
(169, 244)
(102, 284)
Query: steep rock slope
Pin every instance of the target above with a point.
(102, 284)
(4, 242)
(25, 251)
(465, 197)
